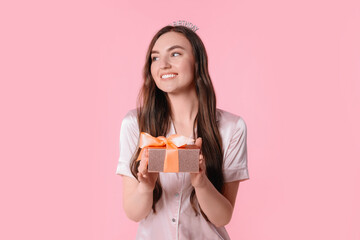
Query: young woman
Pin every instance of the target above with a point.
(177, 97)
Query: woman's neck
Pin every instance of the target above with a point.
(184, 107)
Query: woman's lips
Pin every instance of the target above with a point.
(169, 77)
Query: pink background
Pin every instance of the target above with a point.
(70, 70)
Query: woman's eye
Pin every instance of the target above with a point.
(156, 58)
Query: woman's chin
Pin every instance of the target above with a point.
(168, 90)
(178, 91)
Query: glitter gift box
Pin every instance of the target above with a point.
(188, 156)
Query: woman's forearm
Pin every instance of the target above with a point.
(216, 207)
(138, 204)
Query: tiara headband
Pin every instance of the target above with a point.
(185, 24)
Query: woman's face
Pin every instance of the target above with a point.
(172, 65)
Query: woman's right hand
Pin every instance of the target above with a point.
(147, 179)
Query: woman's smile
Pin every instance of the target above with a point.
(168, 76)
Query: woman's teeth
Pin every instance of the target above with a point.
(168, 76)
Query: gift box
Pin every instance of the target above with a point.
(188, 159)
(172, 154)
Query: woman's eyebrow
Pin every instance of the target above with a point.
(169, 49)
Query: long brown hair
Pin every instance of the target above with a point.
(154, 112)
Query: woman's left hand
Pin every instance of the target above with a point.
(199, 179)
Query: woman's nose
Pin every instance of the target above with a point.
(164, 63)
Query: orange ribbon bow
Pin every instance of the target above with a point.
(172, 143)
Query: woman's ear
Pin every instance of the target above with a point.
(198, 142)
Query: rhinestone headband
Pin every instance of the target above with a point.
(185, 24)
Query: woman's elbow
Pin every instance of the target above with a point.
(131, 214)
(222, 224)
(132, 217)
(223, 221)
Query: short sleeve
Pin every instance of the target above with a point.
(129, 135)
(235, 158)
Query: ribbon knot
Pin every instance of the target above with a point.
(172, 143)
